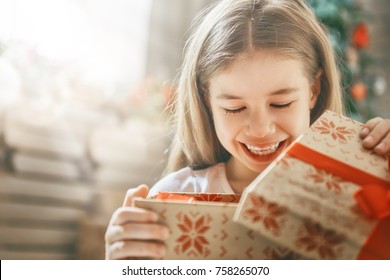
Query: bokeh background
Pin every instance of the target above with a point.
(84, 87)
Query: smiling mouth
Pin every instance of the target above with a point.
(264, 150)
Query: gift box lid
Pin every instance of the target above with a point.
(201, 227)
(334, 137)
(337, 136)
(311, 187)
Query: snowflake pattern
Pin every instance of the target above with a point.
(340, 133)
(213, 197)
(325, 243)
(271, 215)
(192, 240)
(332, 183)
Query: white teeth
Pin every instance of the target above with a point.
(263, 150)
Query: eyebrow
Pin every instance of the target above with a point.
(278, 92)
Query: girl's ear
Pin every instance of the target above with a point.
(315, 89)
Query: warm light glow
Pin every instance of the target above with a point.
(103, 41)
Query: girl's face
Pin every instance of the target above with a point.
(260, 104)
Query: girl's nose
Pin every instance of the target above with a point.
(260, 125)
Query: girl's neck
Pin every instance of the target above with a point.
(238, 175)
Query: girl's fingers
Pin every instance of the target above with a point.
(376, 135)
(140, 191)
(133, 232)
(128, 214)
(125, 215)
(135, 249)
(383, 148)
(369, 126)
(136, 231)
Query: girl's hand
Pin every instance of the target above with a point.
(134, 232)
(376, 135)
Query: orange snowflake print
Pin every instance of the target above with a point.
(332, 183)
(270, 215)
(217, 197)
(192, 240)
(325, 243)
(340, 133)
(208, 197)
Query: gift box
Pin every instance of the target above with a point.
(325, 197)
(203, 229)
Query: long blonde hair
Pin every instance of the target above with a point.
(225, 30)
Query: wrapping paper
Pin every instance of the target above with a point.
(325, 197)
(203, 229)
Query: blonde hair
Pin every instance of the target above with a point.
(230, 28)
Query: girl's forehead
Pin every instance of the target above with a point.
(265, 54)
(259, 58)
(260, 73)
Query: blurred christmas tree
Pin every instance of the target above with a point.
(347, 24)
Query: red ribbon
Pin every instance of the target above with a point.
(334, 166)
(373, 198)
(375, 202)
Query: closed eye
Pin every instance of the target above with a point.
(281, 106)
(233, 111)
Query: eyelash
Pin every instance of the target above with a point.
(236, 111)
(233, 111)
(281, 106)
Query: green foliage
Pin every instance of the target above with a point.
(341, 18)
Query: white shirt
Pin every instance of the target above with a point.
(209, 180)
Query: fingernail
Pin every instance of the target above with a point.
(368, 140)
(364, 131)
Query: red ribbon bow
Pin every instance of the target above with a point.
(374, 200)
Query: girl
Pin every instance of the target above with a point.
(256, 74)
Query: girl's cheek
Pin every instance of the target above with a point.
(229, 125)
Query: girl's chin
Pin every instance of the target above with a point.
(258, 169)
